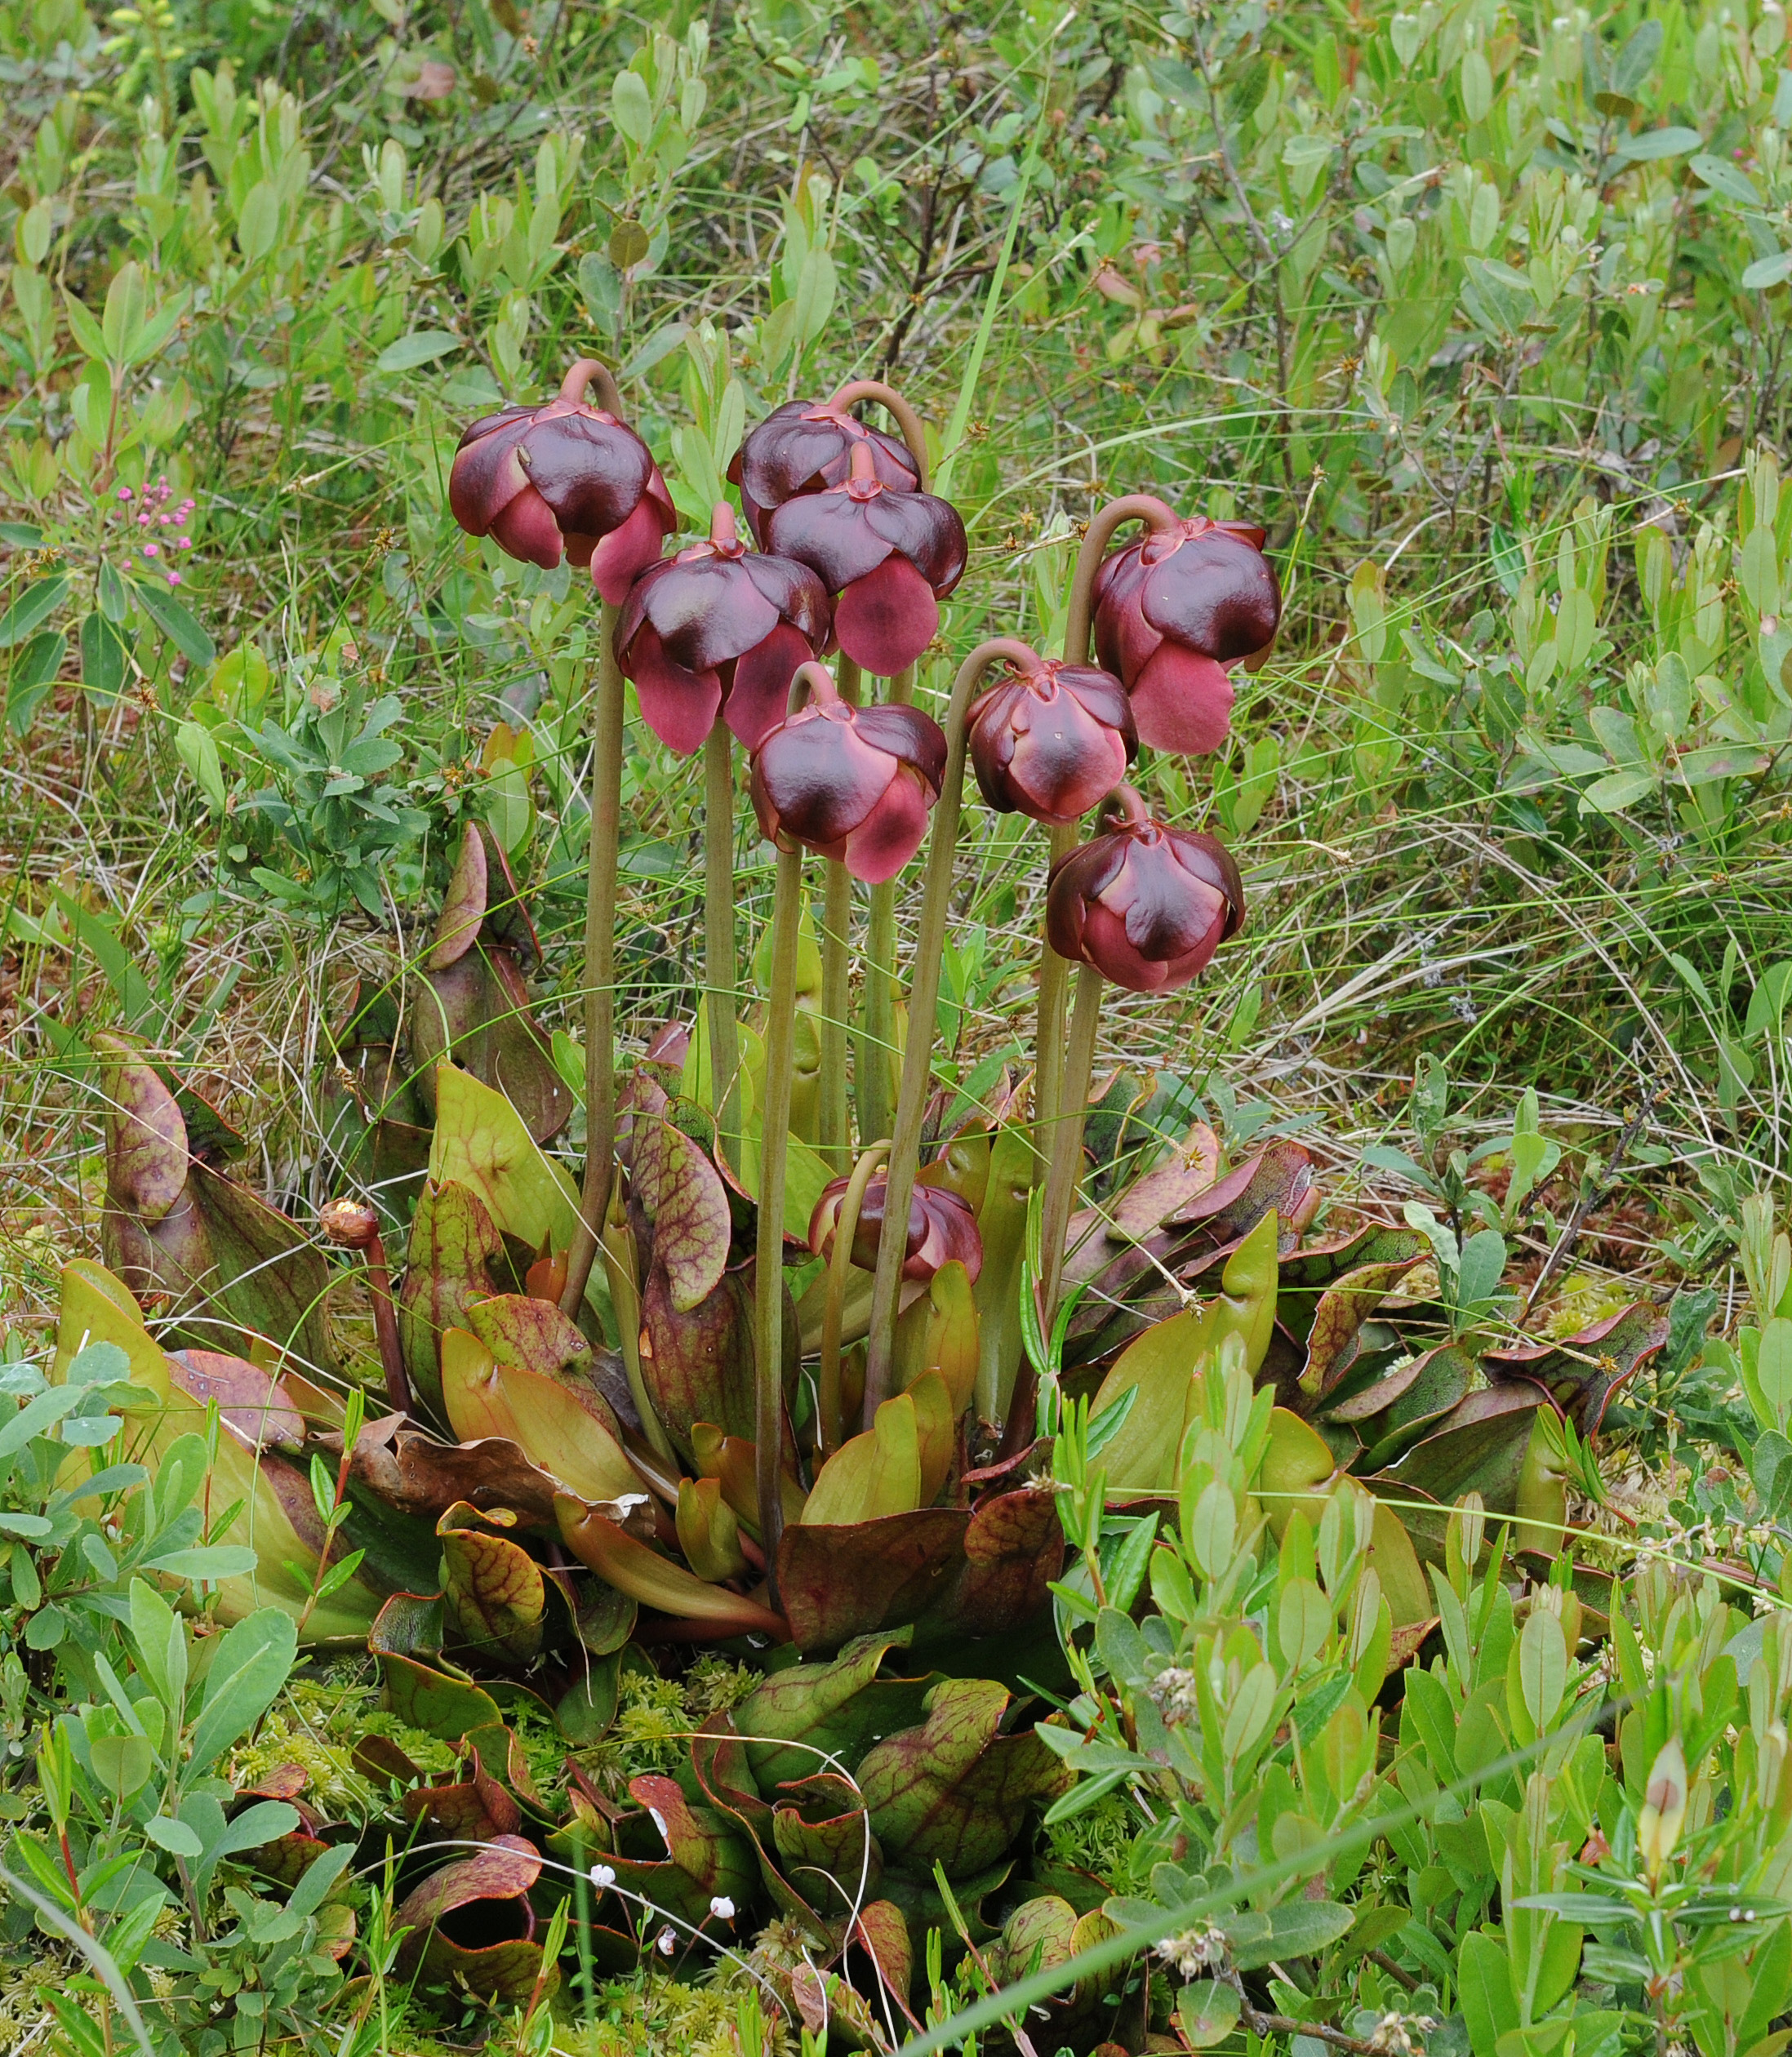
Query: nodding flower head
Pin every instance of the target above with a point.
(719, 627)
(1051, 741)
(1147, 906)
(1172, 610)
(806, 447)
(851, 783)
(942, 1226)
(564, 480)
(891, 556)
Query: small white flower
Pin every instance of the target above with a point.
(603, 1876)
(664, 1941)
(723, 1908)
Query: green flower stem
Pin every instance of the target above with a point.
(832, 1135)
(830, 1429)
(876, 1041)
(721, 970)
(1054, 974)
(1066, 1163)
(908, 422)
(878, 1033)
(768, 1272)
(832, 1131)
(774, 1138)
(600, 930)
(924, 999)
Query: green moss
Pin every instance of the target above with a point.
(316, 1724)
(1102, 1839)
(669, 2020)
(656, 1716)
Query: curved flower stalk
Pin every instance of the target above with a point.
(802, 449)
(806, 445)
(719, 629)
(1147, 906)
(1173, 610)
(571, 480)
(565, 480)
(923, 1007)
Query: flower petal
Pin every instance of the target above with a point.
(678, 705)
(526, 529)
(927, 529)
(1105, 945)
(1124, 641)
(1213, 593)
(1168, 910)
(628, 550)
(885, 619)
(760, 694)
(794, 590)
(821, 778)
(486, 475)
(828, 532)
(592, 471)
(1064, 760)
(890, 834)
(707, 611)
(1182, 702)
(907, 733)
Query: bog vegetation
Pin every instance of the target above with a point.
(652, 1402)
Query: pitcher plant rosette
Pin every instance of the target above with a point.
(754, 1380)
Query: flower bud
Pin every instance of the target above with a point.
(850, 783)
(1146, 905)
(1663, 1812)
(1172, 610)
(889, 556)
(806, 447)
(1051, 742)
(350, 1224)
(717, 627)
(565, 479)
(942, 1227)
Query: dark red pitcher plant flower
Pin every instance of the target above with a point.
(719, 627)
(889, 556)
(1172, 611)
(855, 784)
(805, 447)
(1051, 740)
(942, 1227)
(1145, 905)
(564, 480)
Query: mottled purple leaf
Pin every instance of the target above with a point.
(453, 1243)
(145, 1135)
(955, 1790)
(682, 1194)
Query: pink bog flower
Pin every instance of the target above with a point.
(1146, 905)
(806, 447)
(567, 480)
(717, 627)
(1172, 610)
(1051, 742)
(850, 783)
(891, 556)
(942, 1226)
